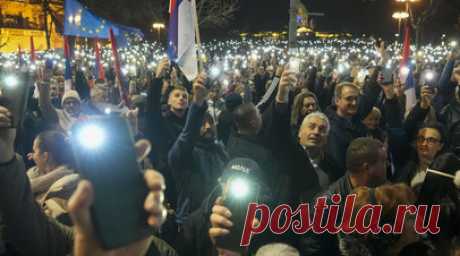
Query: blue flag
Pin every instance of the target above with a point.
(79, 21)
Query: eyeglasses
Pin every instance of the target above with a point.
(429, 140)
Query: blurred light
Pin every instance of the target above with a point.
(429, 75)
(405, 70)
(400, 15)
(453, 43)
(108, 111)
(91, 136)
(158, 25)
(11, 81)
(215, 72)
(239, 188)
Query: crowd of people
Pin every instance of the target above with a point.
(322, 120)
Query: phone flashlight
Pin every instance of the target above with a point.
(405, 71)
(239, 188)
(215, 72)
(11, 81)
(294, 65)
(104, 147)
(91, 136)
(429, 75)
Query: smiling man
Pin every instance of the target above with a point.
(313, 136)
(346, 117)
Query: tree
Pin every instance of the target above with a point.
(216, 13)
(420, 15)
(142, 14)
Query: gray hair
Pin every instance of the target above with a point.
(319, 115)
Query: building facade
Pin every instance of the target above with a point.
(22, 19)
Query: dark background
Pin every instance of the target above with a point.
(351, 16)
(354, 16)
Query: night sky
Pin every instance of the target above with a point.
(355, 16)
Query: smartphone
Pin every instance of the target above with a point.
(105, 155)
(294, 65)
(429, 76)
(387, 76)
(15, 90)
(241, 192)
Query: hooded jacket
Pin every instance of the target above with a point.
(196, 163)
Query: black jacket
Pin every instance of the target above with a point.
(450, 114)
(162, 126)
(341, 134)
(325, 244)
(344, 131)
(196, 164)
(259, 84)
(286, 168)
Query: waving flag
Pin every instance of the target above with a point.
(406, 73)
(409, 89)
(79, 21)
(99, 70)
(68, 68)
(406, 47)
(182, 48)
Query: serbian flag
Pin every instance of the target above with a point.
(33, 56)
(406, 47)
(68, 68)
(182, 48)
(100, 74)
(406, 73)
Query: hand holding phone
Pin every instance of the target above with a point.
(386, 76)
(163, 68)
(294, 65)
(79, 209)
(236, 197)
(15, 88)
(105, 155)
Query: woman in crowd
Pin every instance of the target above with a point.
(52, 179)
(304, 104)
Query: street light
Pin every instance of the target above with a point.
(400, 16)
(158, 26)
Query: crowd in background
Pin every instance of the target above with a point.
(324, 119)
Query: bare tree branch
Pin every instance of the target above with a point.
(216, 13)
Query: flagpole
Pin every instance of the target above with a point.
(117, 65)
(292, 25)
(198, 38)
